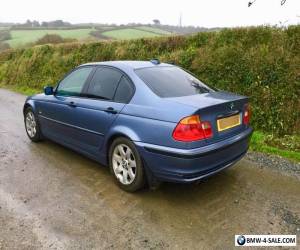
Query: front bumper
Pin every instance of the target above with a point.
(189, 165)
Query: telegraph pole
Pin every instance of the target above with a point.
(180, 20)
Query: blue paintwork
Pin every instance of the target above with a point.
(148, 121)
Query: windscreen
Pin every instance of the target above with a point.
(172, 81)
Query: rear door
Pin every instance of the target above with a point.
(97, 108)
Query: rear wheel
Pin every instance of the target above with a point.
(126, 165)
(32, 126)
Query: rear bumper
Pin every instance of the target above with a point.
(189, 165)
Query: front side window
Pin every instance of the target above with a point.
(104, 83)
(73, 84)
(171, 81)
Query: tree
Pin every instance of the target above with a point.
(156, 22)
(54, 39)
(50, 39)
(282, 2)
(28, 23)
(35, 23)
(44, 24)
(4, 35)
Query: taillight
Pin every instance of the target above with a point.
(246, 118)
(192, 129)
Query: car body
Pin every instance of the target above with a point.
(144, 102)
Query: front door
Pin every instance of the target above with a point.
(57, 113)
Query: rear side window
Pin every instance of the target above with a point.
(73, 83)
(104, 83)
(171, 81)
(124, 91)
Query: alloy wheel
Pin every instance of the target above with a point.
(30, 124)
(124, 164)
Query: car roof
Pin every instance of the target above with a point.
(129, 64)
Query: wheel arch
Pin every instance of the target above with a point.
(117, 132)
(28, 103)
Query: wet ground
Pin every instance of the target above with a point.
(53, 198)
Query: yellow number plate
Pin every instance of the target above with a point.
(228, 122)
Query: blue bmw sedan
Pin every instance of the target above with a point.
(148, 121)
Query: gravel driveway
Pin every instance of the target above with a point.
(53, 198)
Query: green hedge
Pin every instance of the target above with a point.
(260, 62)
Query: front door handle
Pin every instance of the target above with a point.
(111, 110)
(72, 104)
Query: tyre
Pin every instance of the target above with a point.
(126, 165)
(32, 125)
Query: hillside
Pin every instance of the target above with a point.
(20, 37)
(23, 37)
(260, 62)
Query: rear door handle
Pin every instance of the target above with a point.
(111, 110)
(72, 104)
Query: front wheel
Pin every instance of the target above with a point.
(32, 126)
(126, 165)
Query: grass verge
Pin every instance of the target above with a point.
(21, 89)
(258, 143)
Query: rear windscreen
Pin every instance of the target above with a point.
(171, 81)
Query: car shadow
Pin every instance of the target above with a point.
(80, 166)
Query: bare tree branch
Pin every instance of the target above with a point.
(282, 2)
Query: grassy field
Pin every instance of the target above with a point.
(22, 37)
(153, 30)
(129, 33)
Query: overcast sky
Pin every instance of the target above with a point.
(207, 13)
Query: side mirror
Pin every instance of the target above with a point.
(48, 90)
